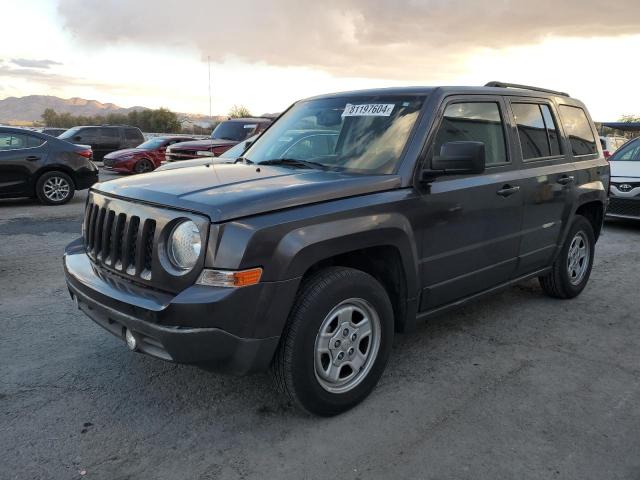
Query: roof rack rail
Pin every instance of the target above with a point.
(525, 87)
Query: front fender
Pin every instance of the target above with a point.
(303, 247)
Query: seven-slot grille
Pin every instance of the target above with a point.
(119, 241)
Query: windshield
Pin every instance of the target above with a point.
(235, 131)
(151, 144)
(630, 152)
(364, 134)
(69, 133)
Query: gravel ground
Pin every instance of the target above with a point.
(517, 386)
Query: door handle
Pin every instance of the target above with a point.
(508, 190)
(565, 180)
(32, 158)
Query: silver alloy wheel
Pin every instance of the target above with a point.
(578, 258)
(347, 345)
(56, 189)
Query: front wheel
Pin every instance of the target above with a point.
(336, 343)
(571, 270)
(143, 166)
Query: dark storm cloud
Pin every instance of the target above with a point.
(30, 63)
(346, 37)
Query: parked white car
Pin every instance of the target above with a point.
(625, 181)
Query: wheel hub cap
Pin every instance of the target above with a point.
(347, 345)
(56, 189)
(578, 258)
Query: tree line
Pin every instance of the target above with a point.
(158, 120)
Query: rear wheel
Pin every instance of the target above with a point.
(55, 188)
(571, 270)
(143, 166)
(336, 343)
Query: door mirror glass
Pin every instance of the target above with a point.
(457, 158)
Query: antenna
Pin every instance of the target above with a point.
(209, 65)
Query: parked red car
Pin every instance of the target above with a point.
(146, 157)
(224, 136)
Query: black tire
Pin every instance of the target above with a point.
(558, 282)
(294, 365)
(143, 166)
(47, 192)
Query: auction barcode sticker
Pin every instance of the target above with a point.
(368, 110)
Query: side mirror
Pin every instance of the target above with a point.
(459, 158)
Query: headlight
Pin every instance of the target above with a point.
(184, 245)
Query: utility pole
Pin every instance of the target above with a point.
(209, 65)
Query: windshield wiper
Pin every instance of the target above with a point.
(294, 163)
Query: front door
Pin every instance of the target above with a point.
(20, 155)
(471, 223)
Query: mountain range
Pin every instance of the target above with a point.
(30, 107)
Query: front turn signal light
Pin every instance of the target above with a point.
(230, 278)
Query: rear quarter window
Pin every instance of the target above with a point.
(132, 134)
(578, 130)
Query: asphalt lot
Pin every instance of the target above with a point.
(517, 386)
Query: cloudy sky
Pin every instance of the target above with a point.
(266, 54)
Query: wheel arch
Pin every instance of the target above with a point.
(51, 168)
(381, 245)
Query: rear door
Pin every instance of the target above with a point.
(470, 223)
(110, 140)
(547, 178)
(20, 157)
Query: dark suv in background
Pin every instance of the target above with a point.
(224, 136)
(309, 260)
(104, 139)
(38, 165)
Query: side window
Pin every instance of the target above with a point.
(87, 134)
(474, 121)
(33, 141)
(12, 141)
(16, 141)
(552, 130)
(131, 134)
(578, 129)
(110, 134)
(536, 130)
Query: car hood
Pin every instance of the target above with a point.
(625, 169)
(202, 144)
(123, 152)
(227, 191)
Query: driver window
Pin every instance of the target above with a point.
(474, 121)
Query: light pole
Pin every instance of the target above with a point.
(209, 65)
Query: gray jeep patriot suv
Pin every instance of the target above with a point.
(305, 256)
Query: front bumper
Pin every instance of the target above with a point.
(620, 207)
(188, 327)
